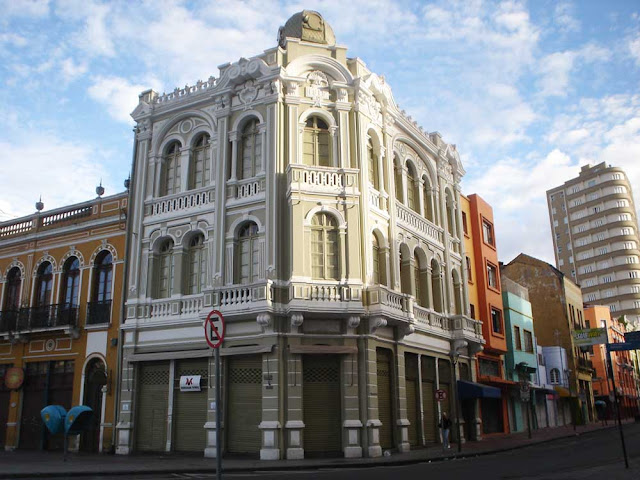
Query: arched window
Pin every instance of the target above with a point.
(316, 149)
(44, 284)
(405, 270)
(457, 292)
(373, 166)
(436, 287)
(554, 376)
(324, 247)
(251, 150)
(397, 178)
(200, 160)
(102, 277)
(71, 282)
(99, 309)
(248, 257)
(165, 270)
(421, 279)
(197, 267)
(428, 200)
(12, 290)
(171, 170)
(379, 262)
(412, 196)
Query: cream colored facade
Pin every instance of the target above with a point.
(595, 237)
(292, 194)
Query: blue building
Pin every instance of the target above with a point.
(521, 360)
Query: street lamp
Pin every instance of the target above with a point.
(454, 355)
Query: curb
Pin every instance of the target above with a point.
(298, 467)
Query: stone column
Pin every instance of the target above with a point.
(352, 426)
(270, 424)
(294, 420)
(402, 422)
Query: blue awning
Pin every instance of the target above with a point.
(468, 389)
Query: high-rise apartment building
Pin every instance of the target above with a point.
(595, 237)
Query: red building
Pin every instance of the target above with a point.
(599, 316)
(489, 310)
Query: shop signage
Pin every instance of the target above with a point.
(190, 383)
(14, 378)
(589, 336)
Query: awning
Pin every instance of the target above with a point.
(600, 403)
(543, 390)
(563, 392)
(468, 389)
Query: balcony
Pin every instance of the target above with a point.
(323, 180)
(8, 320)
(416, 223)
(49, 317)
(246, 189)
(98, 313)
(180, 203)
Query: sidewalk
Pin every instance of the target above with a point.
(21, 464)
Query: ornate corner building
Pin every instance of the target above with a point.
(292, 194)
(61, 286)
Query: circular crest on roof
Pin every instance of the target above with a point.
(309, 26)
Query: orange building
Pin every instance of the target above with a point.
(599, 316)
(61, 276)
(484, 280)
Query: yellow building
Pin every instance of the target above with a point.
(61, 277)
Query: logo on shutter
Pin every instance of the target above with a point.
(190, 383)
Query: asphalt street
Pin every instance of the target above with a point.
(596, 455)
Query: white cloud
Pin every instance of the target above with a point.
(634, 48)
(62, 172)
(516, 188)
(556, 68)
(71, 70)
(564, 19)
(13, 39)
(24, 8)
(118, 95)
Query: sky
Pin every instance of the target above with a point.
(528, 91)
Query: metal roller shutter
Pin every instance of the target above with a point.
(151, 408)
(244, 412)
(412, 411)
(321, 405)
(385, 413)
(190, 408)
(429, 411)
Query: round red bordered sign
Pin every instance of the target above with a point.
(13, 378)
(441, 395)
(214, 329)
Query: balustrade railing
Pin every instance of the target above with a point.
(242, 295)
(417, 223)
(58, 217)
(98, 312)
(178, 202)
(324, 179)
(48, 316)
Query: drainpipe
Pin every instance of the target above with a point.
(127, 247)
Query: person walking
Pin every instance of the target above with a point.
(445, 425)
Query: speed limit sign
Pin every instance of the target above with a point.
(441, 395)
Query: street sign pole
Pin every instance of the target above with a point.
(214, 335)
(615, 401)
(218, 435)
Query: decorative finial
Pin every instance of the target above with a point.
(100, 189)
(127, 182)
(39, 204)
